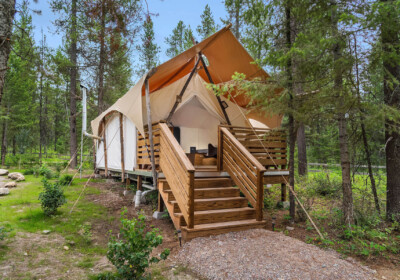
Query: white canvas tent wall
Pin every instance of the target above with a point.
(226, 56)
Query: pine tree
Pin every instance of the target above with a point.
(148, 50)
(207, 26)
(7, 12)
(176, 41)
(235, 10)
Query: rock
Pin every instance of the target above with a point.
(66, 248)
(10, 185)
(4, 191)
(290, 228)
(46, 231)
(286, 204)
(25, 253)
(16, 176)
(71, 242)
(3, 172)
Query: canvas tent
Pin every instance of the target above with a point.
(198, 113)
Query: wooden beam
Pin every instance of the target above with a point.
(139, 183)
(179, 97)
(150, 132)
(211, 81)
(105, 148)
(121, 138)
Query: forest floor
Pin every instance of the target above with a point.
(76, 246)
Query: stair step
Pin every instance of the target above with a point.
(219, 228)
(219, 203)
(216, 192)
(212, 183)
(222, 215)
(202, 204)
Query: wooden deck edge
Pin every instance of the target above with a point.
(188, 234)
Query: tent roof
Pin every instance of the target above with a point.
(225, 56)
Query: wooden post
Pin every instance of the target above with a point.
(220, 150)
(139, 183)
(160, 207)
(150, 130)
(127, 182)
(283, 188)
(211, 81)
(94, 154)
(179, 97)
(105, 148)
(260, 195)
(191, 200)
(121, 137)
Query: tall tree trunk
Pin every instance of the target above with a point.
(4, 141)
(302, 149)
(72, 89)
(7, 11)
(102, 59)
(347, 204)
(390, 32)
(292, 133)
(14, 145)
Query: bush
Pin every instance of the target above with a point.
(51, 198)
(65, 180)
(46, 172)
(326, 185)
(130, 254)
(3, 233)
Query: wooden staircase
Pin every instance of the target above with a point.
(218, 208)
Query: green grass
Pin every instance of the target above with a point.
(21, 211)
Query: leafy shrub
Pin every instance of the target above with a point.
(46, 172)
(130, 254)
(325, 185)
(3, 233)
(30, 171)
(65, 180)
(52, 197)
(86, 232)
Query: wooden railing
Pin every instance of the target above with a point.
(245, 170)
(266, 145)
(143, 148)
(179, 172)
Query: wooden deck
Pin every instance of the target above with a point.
(213, 199)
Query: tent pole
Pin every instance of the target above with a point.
(105, 148)
(150, 129)
(211, 81)
(179, 97)
(121, 138)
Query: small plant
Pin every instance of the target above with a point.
(51, 198)
(46, 172)
(86, 232)
(65, 180)
(3, 233)
(130, 253)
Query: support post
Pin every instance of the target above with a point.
(150, 131)
(283, 188)
(105, 148)
(260, 195)
(179, 97)
(220, 150)
(191, 200)
(211, 81)
(139, 183)
(160, 207)
(121, 137)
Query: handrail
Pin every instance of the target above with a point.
(245, 170)
(179, 172)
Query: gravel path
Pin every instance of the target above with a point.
(263, 254)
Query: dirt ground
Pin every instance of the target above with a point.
(44, 257)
